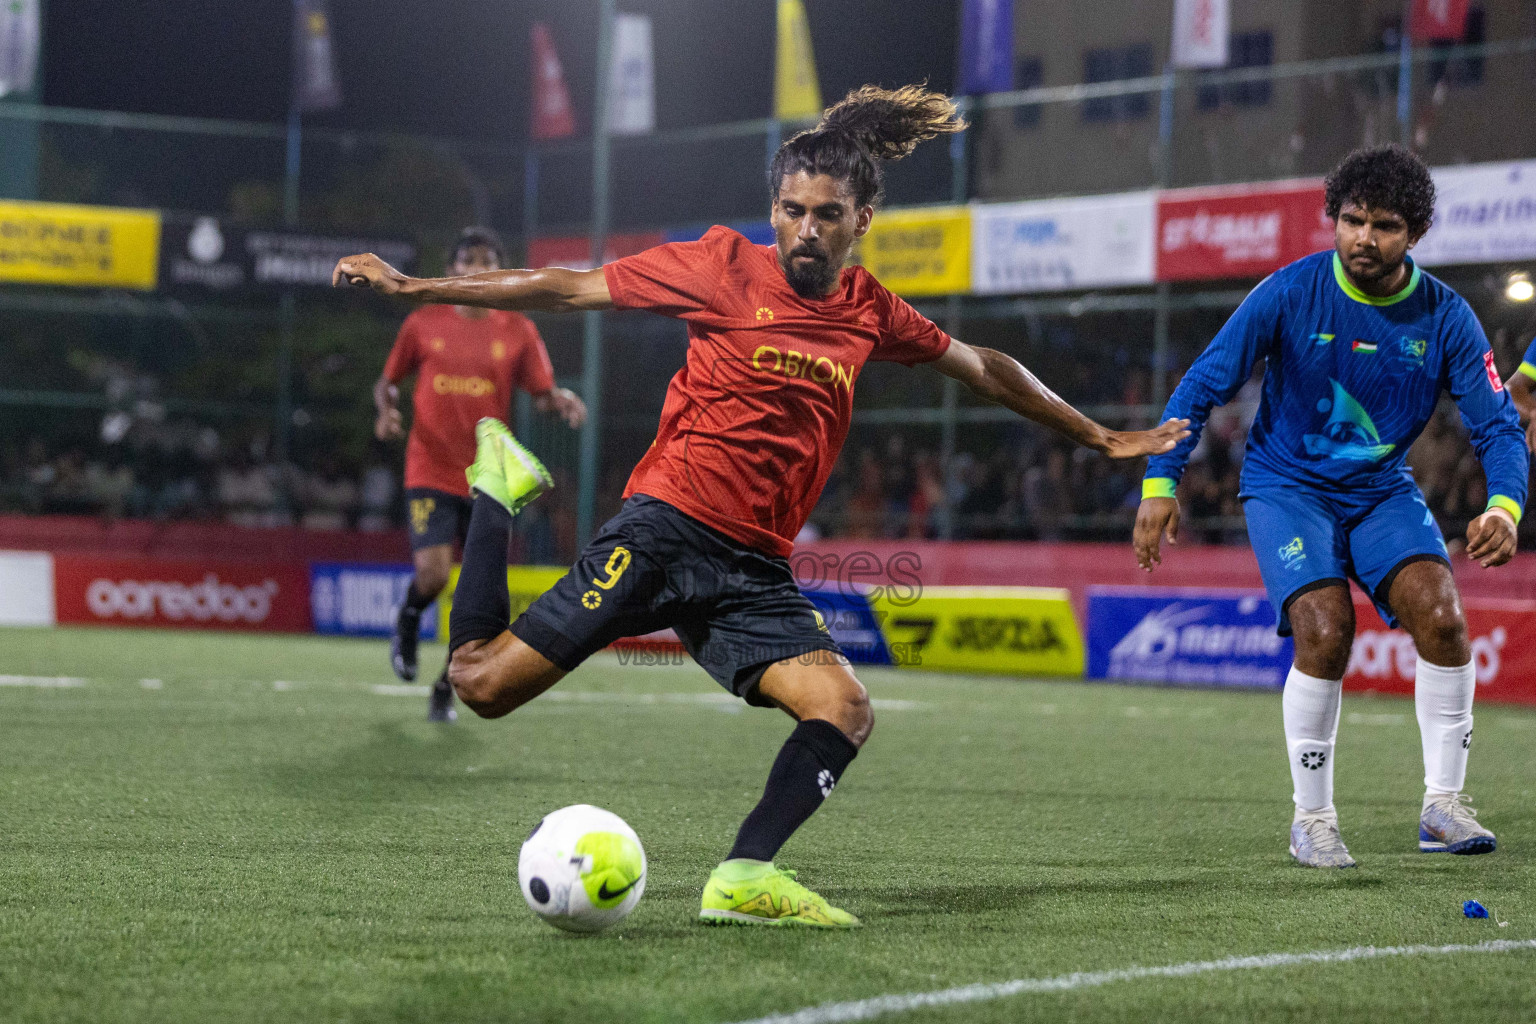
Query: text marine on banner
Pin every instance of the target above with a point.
(86, 246)
(269, 596)
(1484, 213)
(1239, 230)
(1026, 631)
(360, 599)
(921, 251)
(1186, 636)
(1058, 244)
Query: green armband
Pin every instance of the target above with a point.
(1528, 370)
(1163, 487)
(1507, 504)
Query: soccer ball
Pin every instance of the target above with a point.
(582, 869)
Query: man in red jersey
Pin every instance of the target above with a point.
(750, 430)
(468, 362)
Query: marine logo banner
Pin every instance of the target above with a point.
(1186, 636)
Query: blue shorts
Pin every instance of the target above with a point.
(1305, 539)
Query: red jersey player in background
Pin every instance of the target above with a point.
(468, 363)
(751, 427)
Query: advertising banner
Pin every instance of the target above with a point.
(1503, 637)
(553, 115)
(1026, 631)
(986, 46)
(1484, 213)
(361, 599)
(574, 252)
(315, 85)
(920, 251)
(1200, 33)
(87, 246)
(26, 588)
(1239, 230)
(1186, 636)
(206, 254)
(525, 584)
(796, 90)
(758, 232)
(271, 596)
(852, 623)
(1059, 244)
(632, 78)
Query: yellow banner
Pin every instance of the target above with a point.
(1025, 631)
(920, 252)
(796, 93)
(88, 246)
(525, 583)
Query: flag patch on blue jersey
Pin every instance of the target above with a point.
(1360, 345)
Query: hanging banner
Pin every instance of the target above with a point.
(574, 252)
(632, 80)
(1439, 21)
(796, 91)
(1200, 33)
(1059, 244)
(986, 47)
(921, 251)
(1484, 213)
(1239, 230)
(315, 86)
(206, 254)
(553, 116)
(20, 37)
(89, 246)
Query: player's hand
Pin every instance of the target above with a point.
(1491, 538)
(1134, 444)
(367, 271)
(568, 405)
(389, 425)
(1155, 519)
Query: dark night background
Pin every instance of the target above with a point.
(460, 67)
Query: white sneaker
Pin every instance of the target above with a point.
(1316, 843)
(1448, 825)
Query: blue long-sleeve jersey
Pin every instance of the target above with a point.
(1351, 381)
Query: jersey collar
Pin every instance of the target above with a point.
(1371, 300)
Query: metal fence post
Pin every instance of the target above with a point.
(959, 186)
(1161, 342)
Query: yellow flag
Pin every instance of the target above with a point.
(796, 93)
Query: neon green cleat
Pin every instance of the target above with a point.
(504, 470)
(755, 892)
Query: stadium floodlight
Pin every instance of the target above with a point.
(1518, 287)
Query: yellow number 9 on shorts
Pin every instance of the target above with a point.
(617, 563)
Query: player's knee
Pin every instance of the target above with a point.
(1440, 627)
(430, 580)
(856, 718)
(1324, 642)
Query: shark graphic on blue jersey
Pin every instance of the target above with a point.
(1338, 417)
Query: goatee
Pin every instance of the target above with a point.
(811, 278)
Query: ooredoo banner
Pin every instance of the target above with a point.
(269, 596)
(1057, 244)
(1239, 230)
(1503, 635)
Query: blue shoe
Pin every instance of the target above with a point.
(1449, 825)
(1316, 843)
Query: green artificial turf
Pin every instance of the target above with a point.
(260, 836)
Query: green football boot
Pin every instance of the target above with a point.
(504, 470)
(755, 892)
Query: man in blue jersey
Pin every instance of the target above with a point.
(1359, 344)
(1522, 388)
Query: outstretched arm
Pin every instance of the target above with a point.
(553, 290)
(1002, 379)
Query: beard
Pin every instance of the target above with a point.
(812, 278)
(1380, 272)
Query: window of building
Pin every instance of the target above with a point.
(1028, 73)
(1115, 64)
(1248, 50)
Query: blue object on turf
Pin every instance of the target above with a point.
(1472, 908)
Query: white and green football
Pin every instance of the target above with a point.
(582, 869)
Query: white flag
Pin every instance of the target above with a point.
(18, 45)
(1200, 29)
(632, 81)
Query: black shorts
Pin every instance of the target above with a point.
(435, 517)
(736, 609)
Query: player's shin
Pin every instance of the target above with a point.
(1311, 710)
(803, 775)
(482, 607)
(1442, 698)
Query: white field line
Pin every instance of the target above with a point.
(868, 1009)
(45, 682)
(604, 697)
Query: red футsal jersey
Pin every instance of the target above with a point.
(465, 369)
(755, 419)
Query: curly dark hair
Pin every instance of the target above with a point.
(1389, 177)
(868, 126)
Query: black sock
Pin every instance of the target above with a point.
(481, 607)
(415, 600)
(808, 766)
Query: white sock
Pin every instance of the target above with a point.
(1442, 697)
(1311, 709)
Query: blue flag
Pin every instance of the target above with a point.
(986, 47)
